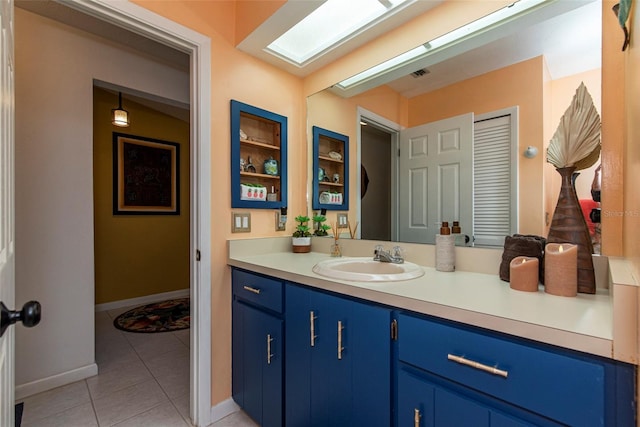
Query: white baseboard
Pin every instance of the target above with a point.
(223, 409)
(147, 299)
(45, 384)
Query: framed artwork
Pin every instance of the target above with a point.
(146, 176)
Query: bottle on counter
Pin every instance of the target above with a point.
(445, 249)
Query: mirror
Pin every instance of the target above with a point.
(522, 69)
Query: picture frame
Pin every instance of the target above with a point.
(146, 176)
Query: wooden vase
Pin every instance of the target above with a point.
(569, 226)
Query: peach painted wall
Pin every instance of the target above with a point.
(332, 112)
(613, 132)
(631, 219)
(236, 75)
(517, 85)
(251, 13)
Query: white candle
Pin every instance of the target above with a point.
(523, 274)
(561, 269)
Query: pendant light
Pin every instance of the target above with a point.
(120, 116)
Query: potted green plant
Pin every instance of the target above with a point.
(321, 227)
(301, 239)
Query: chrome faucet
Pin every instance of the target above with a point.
(379, 254)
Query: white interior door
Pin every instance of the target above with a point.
(7, 277)
(436, 179)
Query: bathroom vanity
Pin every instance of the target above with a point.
(439, 350)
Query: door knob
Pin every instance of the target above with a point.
(29, 315)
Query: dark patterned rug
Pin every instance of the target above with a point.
(165, 316)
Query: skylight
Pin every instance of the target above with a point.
(474, 28)
(329, 25)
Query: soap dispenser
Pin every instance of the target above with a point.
(445, 249)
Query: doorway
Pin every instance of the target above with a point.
(197, 47)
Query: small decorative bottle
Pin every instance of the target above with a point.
(445, 249)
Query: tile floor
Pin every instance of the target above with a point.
(143, 380)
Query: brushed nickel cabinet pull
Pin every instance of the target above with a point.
(312, 328)
(340, 347)
(250, 289)
(269, 354)
(490, 369)
(416, 417)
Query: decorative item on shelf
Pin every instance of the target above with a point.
(254, 192)
(329, 198)
(445, 249)
(243, 135)
(561, 269)
(320, 228)
(271, 166)
(321, 174)
(272, 196)
(242, 164)
(522, 245)
(335, 250)
(336, 178)
(248, 167)
(524, 274)
(575, 146)
(301, 240)
(335, 155)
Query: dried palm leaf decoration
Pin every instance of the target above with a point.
(577, 140)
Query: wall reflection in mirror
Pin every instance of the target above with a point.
(446, 141)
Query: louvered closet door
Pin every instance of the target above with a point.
(494, 181)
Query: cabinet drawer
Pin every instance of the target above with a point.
(263, 291)
(565, 388)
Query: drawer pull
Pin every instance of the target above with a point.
(312, 328)
(250, 289)
(416, 417)
(490, 369)
(269, 354)
(340, 347)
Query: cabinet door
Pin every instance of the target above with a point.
(260, 362)
(337, 377)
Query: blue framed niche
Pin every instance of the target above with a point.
(258, 158)
(330, 170)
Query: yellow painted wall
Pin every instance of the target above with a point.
(236, 75)
(137, 255)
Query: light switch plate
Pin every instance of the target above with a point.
(280, 225)
(240, 222)
(343, 220)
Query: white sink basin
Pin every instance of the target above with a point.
(367, 270)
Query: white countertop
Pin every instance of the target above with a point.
(582, 323)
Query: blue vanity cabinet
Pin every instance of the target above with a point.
(338, 360)
(258, 158)
(503, 381)
(331, 170)
(257, 347)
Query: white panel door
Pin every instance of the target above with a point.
(7, 275)
(436, 178)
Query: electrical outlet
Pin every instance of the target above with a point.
(281, 222)
(343, 220)
(241, 222)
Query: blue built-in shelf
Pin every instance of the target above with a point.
(330, 170)
(258, 157)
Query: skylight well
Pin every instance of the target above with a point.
(330, 25)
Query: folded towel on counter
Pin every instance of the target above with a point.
(522, 245)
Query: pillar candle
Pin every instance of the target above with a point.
(561, 269)
(523, 274)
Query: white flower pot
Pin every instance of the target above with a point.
(301, 244)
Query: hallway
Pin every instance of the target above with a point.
(143, 380)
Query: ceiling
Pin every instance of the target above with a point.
(570, 42)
